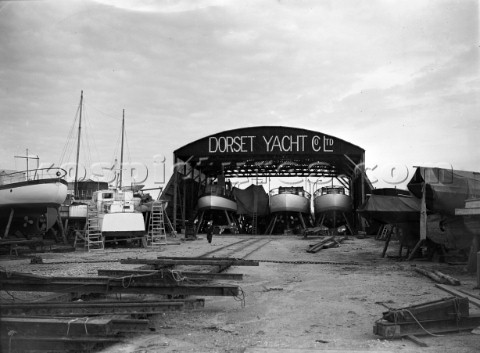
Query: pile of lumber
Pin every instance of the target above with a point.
(330, 242)
(87, 325)
(316, 231)
(24, 333)
(440, 316)
(445, 315)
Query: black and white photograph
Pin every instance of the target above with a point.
(225, 176)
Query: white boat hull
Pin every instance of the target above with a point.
(123, 223)
(31, 207)
(287, 202)
(77, 211)
(332, 203)
(216, 202)
(33, 193)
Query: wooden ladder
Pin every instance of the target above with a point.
(384, 232)
(156, 230)
(254, 223)
(94, 239)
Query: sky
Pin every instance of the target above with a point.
(399, 79)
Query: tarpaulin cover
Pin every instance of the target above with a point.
(391, 209)
(446, 189)
(252, 199)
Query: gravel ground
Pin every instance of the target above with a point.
(288, 305)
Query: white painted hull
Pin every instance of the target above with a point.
(287, 202)
(215, 202)
(77, 211)
(51, 193)
(123, 223)
(34, 205)
(332, 203)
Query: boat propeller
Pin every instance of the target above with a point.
(27, 221)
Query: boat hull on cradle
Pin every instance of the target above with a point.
(289, 203)
(332, 203)
(33, 206)
(216, 202)
(329, 209)
(33, 193)
(122, 224)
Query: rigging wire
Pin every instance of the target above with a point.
(71, 135)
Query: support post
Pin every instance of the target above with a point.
(7, 228)
(175, 196)
(423, 223)
(349, 227)
(323, 219)
(60, 226)
(478, 269)
(387, 241)
(200, 220)
(300, 215)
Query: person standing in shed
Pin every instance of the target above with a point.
(210, 231)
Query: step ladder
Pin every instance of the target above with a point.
(385, 232)
(157, 235)
(94, 239)
(254, 223)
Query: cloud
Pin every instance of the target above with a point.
(162, 6)
(386, 76)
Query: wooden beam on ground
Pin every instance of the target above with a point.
(22, 343)
(469, 294)
(317, 246)
(457, 293)
(185, 274)
(90, 308)
(416, 340)
(442, 309)
(392, 330)
(43, 326)
(57, 297)
(449, 279)
(197, 258)
(329, 242)
(110, 286)
(199, 261)
(129, 325)
(430, 275)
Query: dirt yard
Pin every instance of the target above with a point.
(330, 304)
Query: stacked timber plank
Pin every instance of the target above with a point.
(47, 333)
(445, 315)
(88, 325)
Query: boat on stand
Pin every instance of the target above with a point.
(217, 207)
(290, 209)
(332, 207)
(117, 217)
(30, 201)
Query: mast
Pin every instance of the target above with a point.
(27, 162)
(75, 187)
(27, 157)
(121, 150)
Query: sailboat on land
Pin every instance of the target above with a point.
(29, 199)
(116, 207)
(216, 205)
